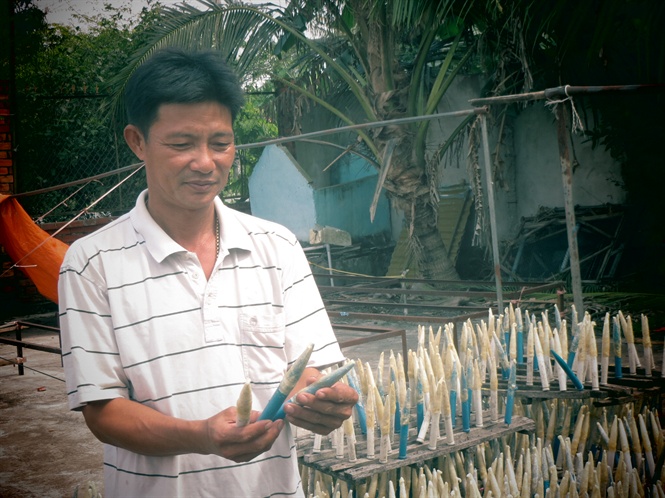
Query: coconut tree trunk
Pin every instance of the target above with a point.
(427, 244)
(410, 187)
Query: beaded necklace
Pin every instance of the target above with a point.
(217, 242)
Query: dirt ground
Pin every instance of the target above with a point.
(47, 451)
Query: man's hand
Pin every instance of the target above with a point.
(240, 444)
(138, 428)
(324, 411)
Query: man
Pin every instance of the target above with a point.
(167, 311)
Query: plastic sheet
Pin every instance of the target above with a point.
(19, 235)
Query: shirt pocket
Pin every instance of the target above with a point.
(263, 354)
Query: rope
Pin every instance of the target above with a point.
(29, 368)
(577, 122)
(343, 272)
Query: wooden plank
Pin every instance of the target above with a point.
(535, 392)
(617, 388)
(363, 468)
(406, 318)
(347, 303)
(630, 396)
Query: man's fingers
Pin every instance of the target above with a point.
(323, 411)
(312, 421)
(241, 444)
(323, 406)
(339, 393)
(251, 446)
(323, 420)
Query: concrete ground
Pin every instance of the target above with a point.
(47, 451)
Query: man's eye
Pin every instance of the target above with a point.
(221, 145)
(179, 145)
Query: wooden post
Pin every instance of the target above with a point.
(492, 210)
(567, 177)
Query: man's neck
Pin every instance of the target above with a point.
(186, 227)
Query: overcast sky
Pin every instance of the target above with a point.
(62, 11)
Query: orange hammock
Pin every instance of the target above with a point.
(19, 235)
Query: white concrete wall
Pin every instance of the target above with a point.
(530, 174)
(597, 179)
(281, 191)
(531, 171)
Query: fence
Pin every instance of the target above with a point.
(62, 138)
(18, 295)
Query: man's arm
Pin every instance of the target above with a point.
(324, 411)
(138, 428)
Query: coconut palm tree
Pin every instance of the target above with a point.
(394, 59)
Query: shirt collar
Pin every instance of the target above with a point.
(233, 235)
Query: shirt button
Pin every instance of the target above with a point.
(253, 321)
(195, 275)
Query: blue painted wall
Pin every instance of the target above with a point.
(346, 206)
(351, 169)
(281, 191)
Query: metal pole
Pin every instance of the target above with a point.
(275, 141)
(365, 126)
(567, 177)
(19, 349)
(563, 92)
(330, 268)
(490, 203)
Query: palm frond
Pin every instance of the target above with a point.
(337, 112)
(242, 34)
(444, 79)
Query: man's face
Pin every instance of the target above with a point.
(188, 155)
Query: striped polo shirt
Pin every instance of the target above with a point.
(140, 320)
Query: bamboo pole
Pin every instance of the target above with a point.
(569, 204)
(492, 212)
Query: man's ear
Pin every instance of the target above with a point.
(135, 140)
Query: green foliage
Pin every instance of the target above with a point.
(364, 61)
(28, 21)
(69, 57)
(250, 126)
(65, 131)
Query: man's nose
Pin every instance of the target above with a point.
(204, 161)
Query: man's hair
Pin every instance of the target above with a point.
(174, 76)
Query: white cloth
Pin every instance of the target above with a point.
(139, 320)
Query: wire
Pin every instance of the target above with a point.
(343, 272)
(294, 138)
(361, 126)
(81, 213)
(45, 190)
(30, 368)
(62, 202)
